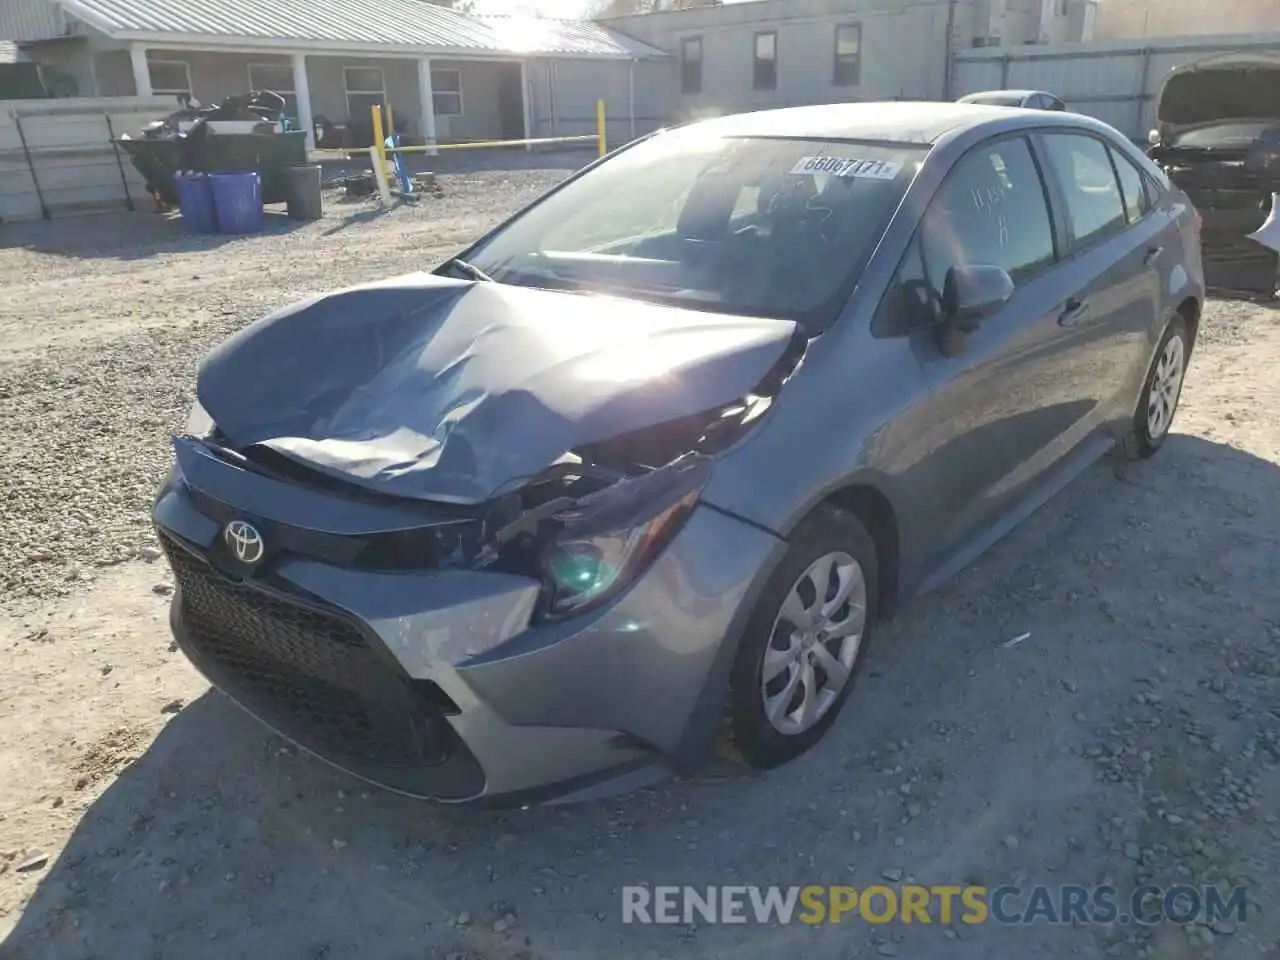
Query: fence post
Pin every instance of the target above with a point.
(1143, 80)
(600, 135)
(378, 154)
(376, 159)
(379, 137)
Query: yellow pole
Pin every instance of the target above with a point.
(379, 139)
(391, 121)
(600, 138)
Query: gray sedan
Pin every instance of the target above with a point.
(636, 476)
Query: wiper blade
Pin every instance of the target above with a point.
(470, 269)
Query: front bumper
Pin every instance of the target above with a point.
(434, 683)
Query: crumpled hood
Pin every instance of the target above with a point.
(1235, 86)
(454, 390)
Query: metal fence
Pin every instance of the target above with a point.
(57, 156)
(1115, 81)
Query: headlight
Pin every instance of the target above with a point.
(615, 534)
(199, 423)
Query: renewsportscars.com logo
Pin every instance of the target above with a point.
(911, 903)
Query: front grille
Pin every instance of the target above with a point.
(442, 540)
(306, 670)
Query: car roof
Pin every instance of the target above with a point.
(1007, 93)
(895, 121)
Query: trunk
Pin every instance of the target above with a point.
(1219, 140)
(1232, 87)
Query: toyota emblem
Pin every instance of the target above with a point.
(244, 541)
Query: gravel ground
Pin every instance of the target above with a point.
(1132, 736)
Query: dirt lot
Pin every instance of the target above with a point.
(1134, 735)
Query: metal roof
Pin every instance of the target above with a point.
(544, 35)
(394, 26)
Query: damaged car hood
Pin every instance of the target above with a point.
(1234, 86)
(450, 390)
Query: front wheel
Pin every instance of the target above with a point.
(805, 642)
(1161, 392)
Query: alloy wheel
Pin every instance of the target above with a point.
(814, 643)
(1166, 386)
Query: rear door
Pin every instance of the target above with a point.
(1115, 248)
(990, 420)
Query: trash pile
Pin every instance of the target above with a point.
(246, 131)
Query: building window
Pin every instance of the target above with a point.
(847, 70)
(366, 88)
(277, 78)
(446, 91)
(170, 78)
(691, 65)
(764, 70)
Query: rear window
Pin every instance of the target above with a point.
(756, 226)
(1089, 185)
(995, 99)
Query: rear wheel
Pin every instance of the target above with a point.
(805, 642)
(1161, 392)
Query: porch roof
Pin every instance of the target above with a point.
(414, 27)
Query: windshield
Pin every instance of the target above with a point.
(1228, 136)
(753, 226)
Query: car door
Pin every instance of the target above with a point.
(1113, 252)
(989, 420)
(1156, 236)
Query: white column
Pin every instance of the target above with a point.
(428, 105)
(302, 91)
(631, 96)
(524, 102)
(141, 71)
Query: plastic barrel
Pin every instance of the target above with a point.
(195, 200)
(304, 192)
(237, 200)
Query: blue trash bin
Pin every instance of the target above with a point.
(195, 200)
(237, 201)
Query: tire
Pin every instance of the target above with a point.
(1145, 436)
(750, 736)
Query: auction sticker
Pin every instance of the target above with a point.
(849, 167)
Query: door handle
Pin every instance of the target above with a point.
(1153, 254)
(1074, 312)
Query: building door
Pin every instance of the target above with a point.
(510, 102)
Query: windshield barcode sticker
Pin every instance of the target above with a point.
(849, 167)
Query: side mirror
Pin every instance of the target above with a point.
(970, 294)
(973, 292)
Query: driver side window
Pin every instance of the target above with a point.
(991, 210)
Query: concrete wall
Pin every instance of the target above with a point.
(481, 118)
(578, 84)
(1116, 81)
(1124, 19)
(903, 49)
(328, 87)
